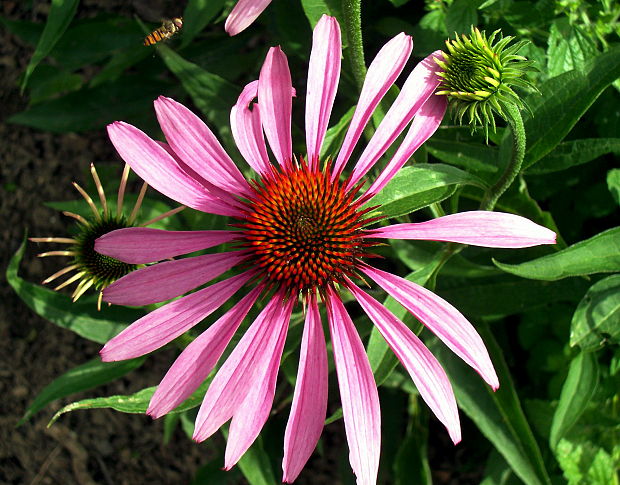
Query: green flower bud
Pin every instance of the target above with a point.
(478, 76)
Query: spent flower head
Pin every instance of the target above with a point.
(90, 268)
(478, 75)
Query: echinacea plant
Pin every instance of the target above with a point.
(243, 14)
(92, 269)
(301, 234)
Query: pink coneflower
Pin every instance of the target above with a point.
(243, 14)
(300, 233)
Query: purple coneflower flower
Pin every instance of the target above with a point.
(300, 231)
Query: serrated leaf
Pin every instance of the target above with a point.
(599, 254)
(498, 415)
(461, 15)
(575, 152)
(597, 316)
(583, 462)
(80, 317)
(419, 186)
(81, 378)
(569, 47)
(562, 102)
(578, 389)
(136, 403)
(59, 18)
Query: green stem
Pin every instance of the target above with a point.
(514, 166)
(353, 30)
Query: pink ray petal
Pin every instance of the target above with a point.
(478, 228)
(231, 384)
(358, 393)
(425, 123)
(198, 359)
(309, 407)
(247, 130)
(244, 13)
(424, 369)
(139, 245)
(158, 168)
(163, 325)
(441, 318)
(383, 71)
(250, 417)
(163, 281)
(418, 87)
(275, 101)
(323, 77)
(195, 144)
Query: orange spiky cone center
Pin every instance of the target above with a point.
(303, 230)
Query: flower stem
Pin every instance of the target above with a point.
(514, 166)
(353, 29)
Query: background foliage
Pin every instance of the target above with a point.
(550, 316)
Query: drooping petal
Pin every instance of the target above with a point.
(424, 369)
(233, 380)
(441, 318)
(244, 13)
(247, 130)
(276, 102)
(250, 417)
(383, 71)
(358, 393)
(163, 325)
(163, 281)
(478, 228)
(425, 123)
(195, 144)
(418, 87)
(198, 359)
(159, 169)
(309, 407)
(323, 77)
(139, 245)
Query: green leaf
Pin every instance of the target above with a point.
(136, 403)
(213, 95)
(48, 81)
(419, 186)
(502, 298)
(315, 9)
(476, 157)
(255, 465)
(81, 378)
(59, 18)
(80, 317)
(498, 415)
(597, 316)
(128, 98)
(197, 15)
(576, 152)
(578, 389)
(585, 463)
(562, 102)
(569, 47)
(461, 15)
(613, 184)
(599, 254)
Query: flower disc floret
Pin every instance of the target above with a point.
(304, 230)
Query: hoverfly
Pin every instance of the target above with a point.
(168, 29)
